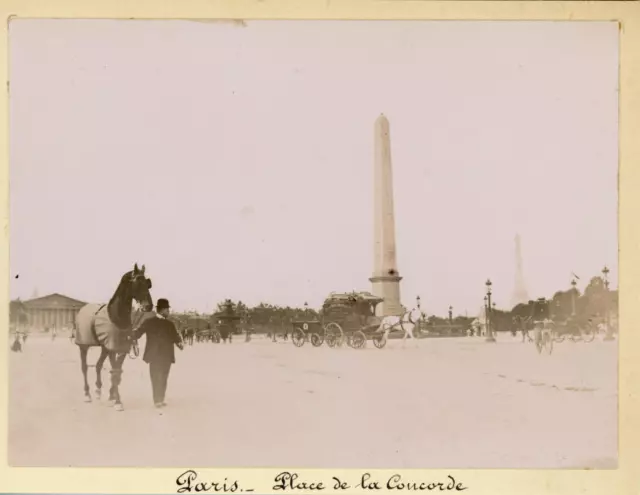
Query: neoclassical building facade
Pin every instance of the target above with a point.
(52, 311)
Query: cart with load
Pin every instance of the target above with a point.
(307, 330)
(350, 318)
(345, 318)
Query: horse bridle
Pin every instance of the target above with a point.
(134, 352)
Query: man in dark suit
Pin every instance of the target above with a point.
(162, 335)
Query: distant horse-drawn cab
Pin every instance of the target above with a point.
(227, 320)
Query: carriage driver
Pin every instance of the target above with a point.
(162, 335)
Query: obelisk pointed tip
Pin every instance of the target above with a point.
(382, 123)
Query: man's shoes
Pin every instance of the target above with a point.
(159, 405)
(163, 404)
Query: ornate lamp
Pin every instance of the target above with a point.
(490, 337)
(605, 274)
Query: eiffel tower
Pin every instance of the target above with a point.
(520, 294)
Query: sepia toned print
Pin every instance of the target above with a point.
(313, 244)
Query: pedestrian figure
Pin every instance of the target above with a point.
(16, 346)
(159, 353)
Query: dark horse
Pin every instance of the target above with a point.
(110, 328)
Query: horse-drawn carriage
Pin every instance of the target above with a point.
(347, 317)
(227, 321)
(195, 329)
(208, 335)
(575, 330)
(547, 330)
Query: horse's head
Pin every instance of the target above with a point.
(139, 287)
(416, 315)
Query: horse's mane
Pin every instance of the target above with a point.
(119, 307)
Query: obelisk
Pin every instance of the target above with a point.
(520, 294)
(385, 279)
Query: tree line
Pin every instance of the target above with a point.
(593, 303)
(596, 301)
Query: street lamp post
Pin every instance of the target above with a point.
(420, 324)
(247, 326)
(486, 312)
(573, 297)
(609, 334)
(490, 337)
(493, 311)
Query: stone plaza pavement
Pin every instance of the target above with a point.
(447, 403)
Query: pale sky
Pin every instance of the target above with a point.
(238, 161)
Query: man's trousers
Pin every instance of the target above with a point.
(159, 372)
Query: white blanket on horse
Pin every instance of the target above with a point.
(94, 328)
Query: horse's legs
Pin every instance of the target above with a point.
(116, 361)
(112, 389)
(413, 337)
(83, 364)
(104, 353)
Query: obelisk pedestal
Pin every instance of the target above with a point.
(385, 279)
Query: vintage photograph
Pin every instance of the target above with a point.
(320, 244)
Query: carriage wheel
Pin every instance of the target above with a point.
(379, 341)
(358, 340)
(317, 339)
(298, 337)
(332, 340)
(334, 334)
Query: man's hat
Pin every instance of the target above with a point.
(162, 304)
